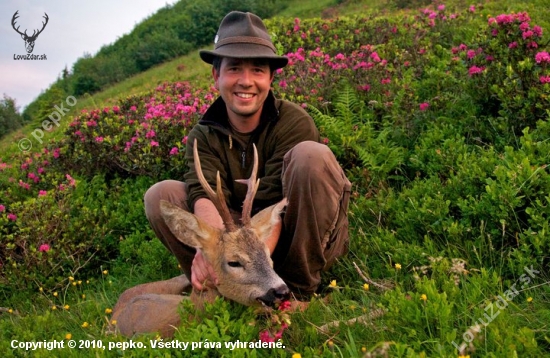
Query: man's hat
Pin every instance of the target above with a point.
(243, 35)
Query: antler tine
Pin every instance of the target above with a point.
(13, 20)
(253, 184)
(216, 198)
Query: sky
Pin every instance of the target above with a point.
(74, 27)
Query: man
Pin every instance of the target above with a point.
(292, 164)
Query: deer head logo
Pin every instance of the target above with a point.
(29, 40)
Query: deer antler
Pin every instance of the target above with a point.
(217, 198)
(253, 184)
(43, 25)
(15, 16)
(34, 33)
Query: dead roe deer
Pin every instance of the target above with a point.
(238, 255)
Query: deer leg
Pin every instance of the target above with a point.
(148, 313)
(173, 286)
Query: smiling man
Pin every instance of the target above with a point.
(292, 164)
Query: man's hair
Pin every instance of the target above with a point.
(217, 64)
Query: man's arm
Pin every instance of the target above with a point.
(201, 270)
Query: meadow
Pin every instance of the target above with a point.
(440, 117)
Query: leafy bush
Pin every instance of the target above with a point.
(140, 136)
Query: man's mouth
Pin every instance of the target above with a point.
(244, 95)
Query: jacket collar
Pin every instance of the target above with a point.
(216, 114)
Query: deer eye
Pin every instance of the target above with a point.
(234, 264)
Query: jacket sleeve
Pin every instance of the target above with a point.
(294, 126)
(209, 156)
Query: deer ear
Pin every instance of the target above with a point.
(264, 221)
(188, 228)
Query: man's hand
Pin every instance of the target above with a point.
(202, 274)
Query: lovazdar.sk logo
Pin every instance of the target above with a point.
(29, 40)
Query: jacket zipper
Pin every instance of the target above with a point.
(243, 157)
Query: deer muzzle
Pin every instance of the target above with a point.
(275, 295)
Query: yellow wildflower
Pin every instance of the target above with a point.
(83, 296)
(105, 272)
(55, 294)
(108, 311)
(54, 308)
(364, 349)
(71, 278)
(332, 283)
(80, 282)
(66, 307)
(296, 355)
(41, 289)
(423, 297)
(366, 287)
(85, 325)
(113, 322)
(10, 311)
(68, 336)
(398, 266)
(529, 299)
(74, 283)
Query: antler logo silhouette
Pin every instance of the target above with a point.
(29, 40)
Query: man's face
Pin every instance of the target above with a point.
(244, 85)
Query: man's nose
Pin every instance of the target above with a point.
(246, 78)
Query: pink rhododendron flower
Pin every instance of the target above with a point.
(133, 108)
(474, 70)
(150, 134)
(44, 248)
(527, 34)
(154, 144)
(542, 57)
(544, 79)
(441, 7)
(72, 182)
(174, 151)
(471, 54)
(24, 185)
(2, 208)
(424, 106)
(12, 217)
(99, 139)
(42, 193)
(513, 45)
(472, 8)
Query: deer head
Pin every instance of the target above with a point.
(29, 40)
(238, 254)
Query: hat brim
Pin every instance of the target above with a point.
(244, 51)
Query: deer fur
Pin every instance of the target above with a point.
(239, 257)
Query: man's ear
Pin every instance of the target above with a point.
(216, 76)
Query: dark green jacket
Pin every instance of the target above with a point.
(283, 124)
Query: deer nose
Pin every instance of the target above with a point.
(274, 295)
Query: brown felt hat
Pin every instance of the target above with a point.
(243, 35)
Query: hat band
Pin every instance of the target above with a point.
(244, 40)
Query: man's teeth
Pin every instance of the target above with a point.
(244, 95)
